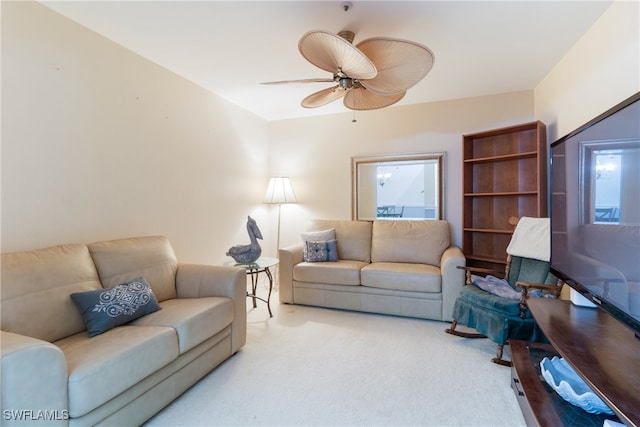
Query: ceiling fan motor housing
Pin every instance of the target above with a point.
(346, 83)
(347, 35)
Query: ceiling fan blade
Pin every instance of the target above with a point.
(400, 64)
(319, 80)
(323, 97)
(334, 54)
(363, 99)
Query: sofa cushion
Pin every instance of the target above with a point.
(402, 277)
(319, 235)
(36, 286)
(102, 367)
(119, 261)
(194, 319)
(105, 309)
(322, 251)
(342, 272)
(493, 303)
(417, 241)
(354, 237)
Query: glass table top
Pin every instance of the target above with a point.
(260, 264)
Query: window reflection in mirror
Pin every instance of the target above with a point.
(407, 186)
(613, 185)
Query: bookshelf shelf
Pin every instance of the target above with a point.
(504, 176)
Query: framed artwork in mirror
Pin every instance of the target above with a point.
(397, 186)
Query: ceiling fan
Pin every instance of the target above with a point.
(375, 73)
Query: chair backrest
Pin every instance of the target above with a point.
(529, 252)
(529, 270)
(531, 239)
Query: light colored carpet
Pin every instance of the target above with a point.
(311, 366)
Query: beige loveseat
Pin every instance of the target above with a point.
(54, 374)
(405, 268)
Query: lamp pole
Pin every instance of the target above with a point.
(278, 236)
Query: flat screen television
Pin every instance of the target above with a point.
(595, 211)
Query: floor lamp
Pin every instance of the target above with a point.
(278, 192)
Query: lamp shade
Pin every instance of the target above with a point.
(279, 191)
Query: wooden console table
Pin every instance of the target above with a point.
(604, 352)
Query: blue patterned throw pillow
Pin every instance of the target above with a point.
(316, 236)
(321, 251)
(105, 309)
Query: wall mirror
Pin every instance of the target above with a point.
(404, 186)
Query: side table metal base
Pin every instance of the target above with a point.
(254, 269)
(254, 285)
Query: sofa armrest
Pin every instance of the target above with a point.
(453, 278)
(198, 281)
(34, 381)
(526, 286)
(289, 257)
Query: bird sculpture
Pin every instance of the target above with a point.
(246, 254)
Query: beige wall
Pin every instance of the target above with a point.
(602, 69)
(316, 152)
(99, 143)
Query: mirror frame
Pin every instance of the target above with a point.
(394, 159)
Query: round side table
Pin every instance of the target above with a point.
(253, 269)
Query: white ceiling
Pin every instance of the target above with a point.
(230, 47)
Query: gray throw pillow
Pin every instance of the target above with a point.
(105, 309)
(321, 251)
(316, 236)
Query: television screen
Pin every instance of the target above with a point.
(595, 211)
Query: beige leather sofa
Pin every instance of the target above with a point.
(54, 374)
(406, 268)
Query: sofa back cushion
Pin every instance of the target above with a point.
(415, 241)
(119, 261)
(36, 286)
(354, 237)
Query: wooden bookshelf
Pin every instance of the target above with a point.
(504, 176)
